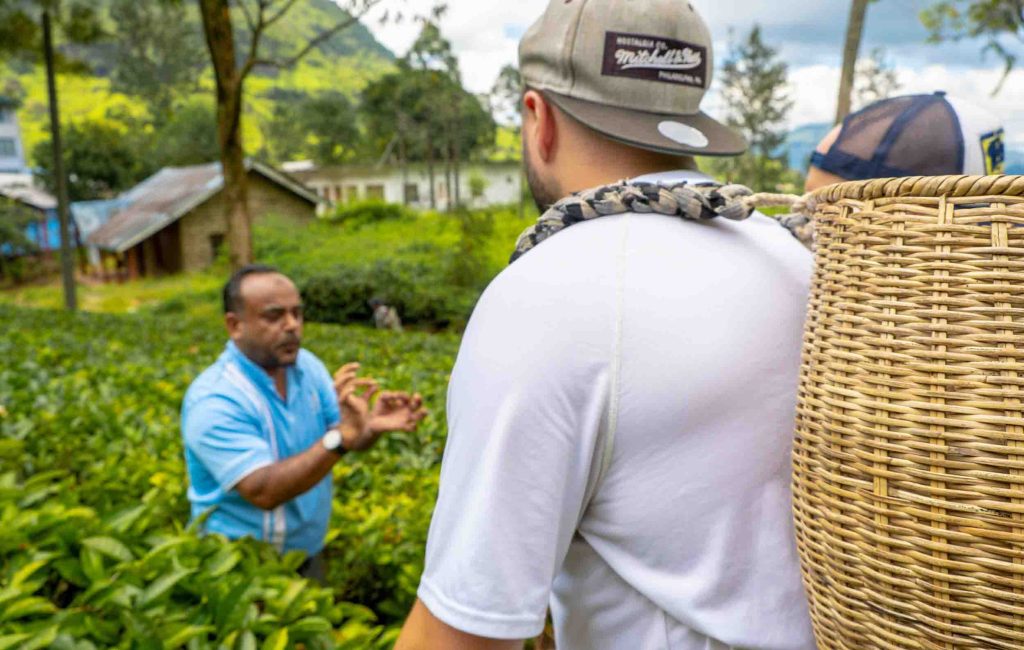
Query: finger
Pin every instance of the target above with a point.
(343, 379)
(369, 392)
(347, 368)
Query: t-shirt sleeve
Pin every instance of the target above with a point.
(226, 439)
(327, 395)
(526, 410)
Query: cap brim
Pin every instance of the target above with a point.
(690, 135)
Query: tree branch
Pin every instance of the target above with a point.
(246, 14)
(320, 38)
(276, 17)
(254, 44)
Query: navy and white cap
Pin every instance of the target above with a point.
(915, 135)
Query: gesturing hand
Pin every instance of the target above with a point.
(361, 423)
(354, 396)
(397, 411)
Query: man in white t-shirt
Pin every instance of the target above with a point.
(621, 409)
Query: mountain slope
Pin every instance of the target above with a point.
(346, 62)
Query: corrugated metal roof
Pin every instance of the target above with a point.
(168, 195)
(31, 196)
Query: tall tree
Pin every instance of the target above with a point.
(321, 127)
(997, 21)
(876, 79)
(27, 32)
(757, 100)
(851, 49)
(101, 157)
(231, 69)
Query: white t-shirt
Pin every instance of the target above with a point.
(620, 420)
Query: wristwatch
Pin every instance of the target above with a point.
(333, 442)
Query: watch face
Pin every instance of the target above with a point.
(332, 440)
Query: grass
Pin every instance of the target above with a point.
(116, 298)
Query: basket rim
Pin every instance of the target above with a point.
(922, 186)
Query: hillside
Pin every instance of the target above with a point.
(346, 63)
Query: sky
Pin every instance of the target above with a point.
(809, 34)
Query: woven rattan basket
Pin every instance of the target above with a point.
(909, 454)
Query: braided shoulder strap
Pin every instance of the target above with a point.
(691, 201)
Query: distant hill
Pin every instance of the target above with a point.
(345, 63)
(801, 142)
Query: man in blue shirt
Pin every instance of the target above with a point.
(264, 425)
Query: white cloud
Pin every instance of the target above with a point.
(485, 36)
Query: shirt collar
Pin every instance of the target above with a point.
(674, 176)
(257, 374)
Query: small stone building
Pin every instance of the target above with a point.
(176, 220)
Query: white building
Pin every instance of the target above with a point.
(480, 184)
(13, 170)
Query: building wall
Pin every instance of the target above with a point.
(203, 229)
(12, 153)
(343, 185)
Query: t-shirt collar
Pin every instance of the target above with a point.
(674, 176)
(256, 373)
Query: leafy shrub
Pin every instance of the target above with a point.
(419, 293)
(360, 213)
(94, 549)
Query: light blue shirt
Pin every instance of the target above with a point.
(234, 422)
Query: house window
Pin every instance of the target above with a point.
(375, 192)
(7, 148)
(351, 193)
(337, 192)
(216, 244)
(6, 116)
(412, 193)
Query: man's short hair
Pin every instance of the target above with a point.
(232, 293)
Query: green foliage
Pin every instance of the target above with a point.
(359, 213)
(188, 137)
(994, 20)
(14, 216)
(94, 551)
(320, 127)
(159, 53)
(431, 267)
(754, 89)
(102, 158)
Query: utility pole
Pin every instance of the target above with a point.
(67, 267)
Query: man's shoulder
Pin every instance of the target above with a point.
(213, 389)
(309, 362)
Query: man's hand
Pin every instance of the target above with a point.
(354, 396)
(396, 411)
(362, 424)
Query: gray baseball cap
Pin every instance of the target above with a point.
(632, 70)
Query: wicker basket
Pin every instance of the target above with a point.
(909, 454)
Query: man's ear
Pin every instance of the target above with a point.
(233, 324)
(540, 125)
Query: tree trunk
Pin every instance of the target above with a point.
(67, 269)
(854, 33)
(430, 170)
(220, 41)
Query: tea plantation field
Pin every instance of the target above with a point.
(95, 550)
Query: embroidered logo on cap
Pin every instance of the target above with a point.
(993, 151)
(655, 59)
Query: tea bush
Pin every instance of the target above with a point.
(95, 549)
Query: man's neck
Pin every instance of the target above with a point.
(586, 177)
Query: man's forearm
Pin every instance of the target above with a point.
(270, 486)
(424, 631)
